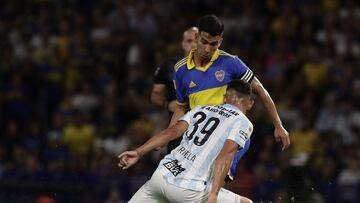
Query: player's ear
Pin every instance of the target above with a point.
(249, 103)
(224, 99)
(220, 42)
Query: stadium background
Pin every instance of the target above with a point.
(76, 76)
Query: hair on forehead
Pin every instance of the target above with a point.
(240, 87)
(211, 24)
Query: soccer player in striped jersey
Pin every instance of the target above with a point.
(195, 171)
(201, 79)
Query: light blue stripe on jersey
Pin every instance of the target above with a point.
(197, 173)
(218, 144)
(207, 153)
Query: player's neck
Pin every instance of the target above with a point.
(199, 62)
(240, 107)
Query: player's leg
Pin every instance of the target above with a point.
(180, 195)
(150, 192)
(226, 196)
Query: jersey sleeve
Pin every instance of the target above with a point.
(242, 71)
(180, 89)
(240, 132)
(161, 74)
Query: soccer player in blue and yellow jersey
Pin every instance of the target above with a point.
(201, 78)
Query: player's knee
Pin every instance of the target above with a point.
(245, 200)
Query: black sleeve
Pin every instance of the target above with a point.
(161, 75)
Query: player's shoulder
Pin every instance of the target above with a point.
(229, 59)
(170, 62)
(244, 120)
(173, 60)
(226, 55)
(248, 124)
(181, 63)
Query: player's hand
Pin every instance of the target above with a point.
(172, 106)
(212, 198)
(282, 135)
(128, 159)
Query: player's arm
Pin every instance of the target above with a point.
(158, 94)
(159, 90)
(182, 100)
(280, 133)
(129, 158)
(238, 135)
(180, 110)
(245, 74)
(158, 97)
(222, 167)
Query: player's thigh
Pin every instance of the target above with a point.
(180, 195)
(226, 196)
(150, 192)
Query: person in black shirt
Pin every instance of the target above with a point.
(163, 91)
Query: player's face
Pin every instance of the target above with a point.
(230, 97)
(207, 45)
(189, 41)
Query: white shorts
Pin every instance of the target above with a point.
(158, 190)
(226, 196)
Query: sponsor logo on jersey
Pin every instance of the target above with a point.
(192, 84)
(220, 75)
(174, 167)
(243, 135)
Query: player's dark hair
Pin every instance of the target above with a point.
(240, 87)
(211, 24)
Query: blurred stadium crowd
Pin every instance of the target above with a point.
(76, 76)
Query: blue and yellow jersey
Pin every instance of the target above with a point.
(207, 85)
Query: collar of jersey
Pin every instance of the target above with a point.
(233, 107)
(191, 63)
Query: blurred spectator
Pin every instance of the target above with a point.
(349, 181)
(61, 60)
(114, 197)
(86, 99)
(326, 181)
(79, 135)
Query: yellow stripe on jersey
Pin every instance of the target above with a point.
(181, 104)
(213, 96)
(180, 63)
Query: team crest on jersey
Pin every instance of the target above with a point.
(220, 75)
(174, 167)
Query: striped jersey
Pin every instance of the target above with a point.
(207, 85)
(190, 165)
